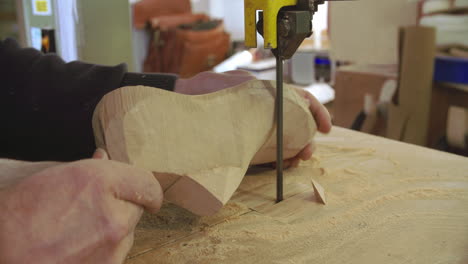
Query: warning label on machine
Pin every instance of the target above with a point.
(41, 7)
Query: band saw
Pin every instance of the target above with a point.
(284, 24)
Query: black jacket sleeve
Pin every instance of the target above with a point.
(46, 105)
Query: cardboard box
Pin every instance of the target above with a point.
(443, 98)
(420, 109)
(366, 31)
(352, 83)
(409, 117)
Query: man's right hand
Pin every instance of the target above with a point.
(80, 212)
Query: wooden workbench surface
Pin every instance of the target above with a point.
(388, 202)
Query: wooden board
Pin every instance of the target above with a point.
(387, 202)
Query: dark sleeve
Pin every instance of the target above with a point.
(46, 105)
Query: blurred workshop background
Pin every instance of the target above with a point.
(397, 69)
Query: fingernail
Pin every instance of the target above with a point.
(100, 154)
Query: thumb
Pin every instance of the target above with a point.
(136, 185)
(100, 154)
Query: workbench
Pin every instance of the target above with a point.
(387, 202)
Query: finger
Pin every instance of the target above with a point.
(313, 147)
(306, 152)
(131, 215)
(100, 154)
(131, 184)
(295, 162)
(320, 113)
(286, 164)
(140, 187)
(122, 250)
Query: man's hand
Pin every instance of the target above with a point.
(208, 82)
(323, 121)
(79, 212)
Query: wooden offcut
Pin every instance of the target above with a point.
(319, 192)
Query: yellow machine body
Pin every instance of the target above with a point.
(270, 10)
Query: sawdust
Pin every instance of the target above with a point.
(173, 223)
(173, 217)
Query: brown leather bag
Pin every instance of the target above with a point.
(185, 44)
(145, 10)
(203, 49)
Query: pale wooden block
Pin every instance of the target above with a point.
(199, 147)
